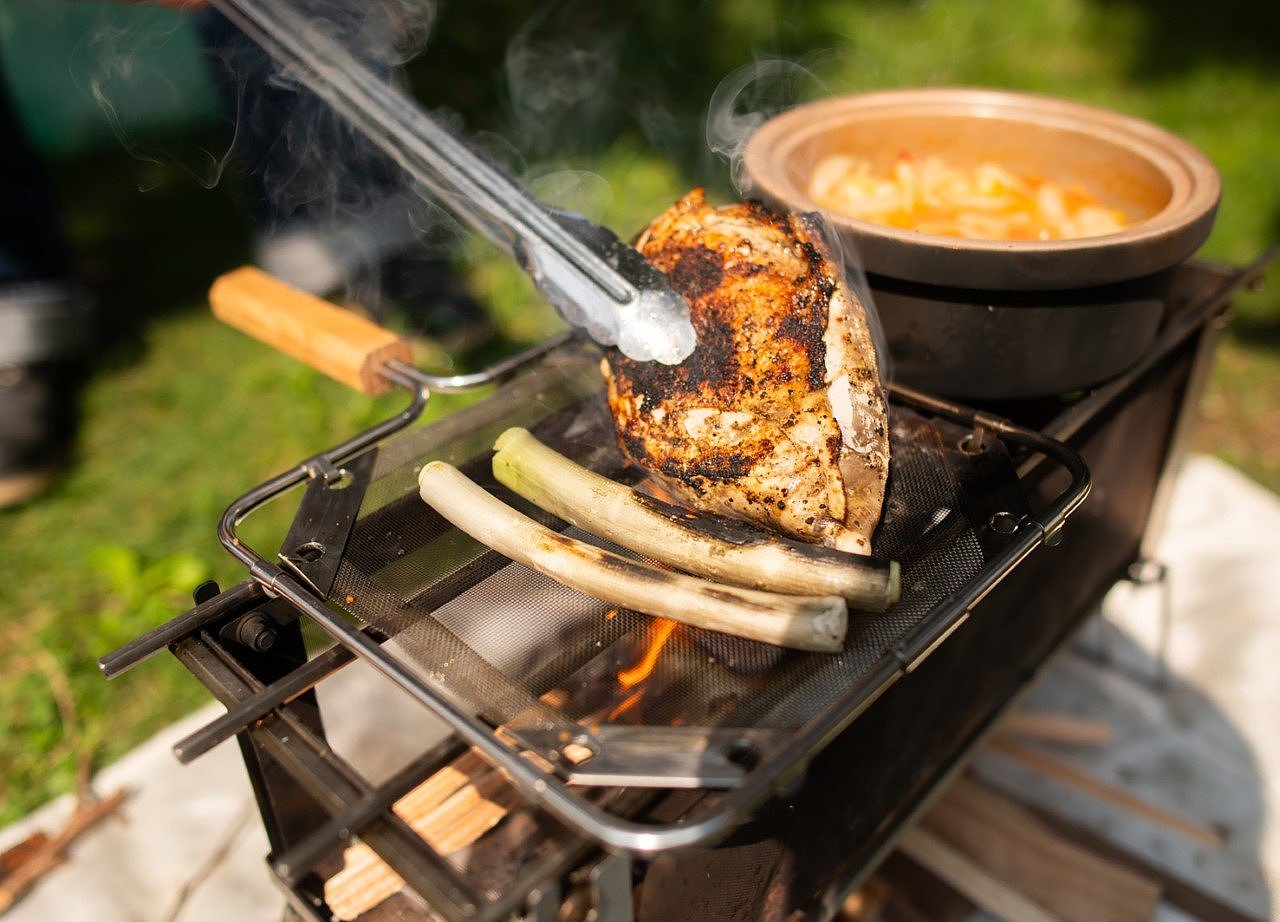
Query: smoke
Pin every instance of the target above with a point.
(303, 156)
(381, 33)
(120, 65)
(566, 90)
(579, 191)
(742, 102)
(302, 162)
(563, 91)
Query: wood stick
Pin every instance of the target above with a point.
(1055, 728)
(16, 856)
(970, 878)
(450, 810)
(1175, 891)
(49, 855)
(468, 814)
(867, 902)
(441, 786)
(352, 895)
(1071, 775)
(1012, 844)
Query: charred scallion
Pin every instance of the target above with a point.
(705, 546)
(803, 622)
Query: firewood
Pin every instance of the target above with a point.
(467, 815)
(1066, 773)
(1066, 729)
(1007, 840)
(450, 810)
(441, 785)
(351, 895)
(969, 878)
(42, 860)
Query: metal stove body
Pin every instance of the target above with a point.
(769, 818)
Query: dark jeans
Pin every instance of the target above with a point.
(31, 242)
(44, 319)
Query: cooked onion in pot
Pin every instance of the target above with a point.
(985, 201)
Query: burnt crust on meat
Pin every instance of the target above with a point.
(777, 416)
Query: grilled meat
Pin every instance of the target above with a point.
(778, 416)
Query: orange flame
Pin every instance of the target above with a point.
(662, 628)
(628, 703)
(657, 490)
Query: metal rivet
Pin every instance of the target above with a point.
(972, 444)
(1003, 523)
(312, 550)
(338, 479)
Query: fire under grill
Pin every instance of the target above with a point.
(603, 760)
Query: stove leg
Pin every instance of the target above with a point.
(543, 904)
(611, 888)
(1152, 572)
(288, 814)
(1105, 643)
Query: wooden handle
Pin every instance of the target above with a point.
(337, 342)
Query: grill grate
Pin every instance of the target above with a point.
(523, 652)
(300, 779)
(531, 674)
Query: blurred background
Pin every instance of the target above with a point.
(602, 109)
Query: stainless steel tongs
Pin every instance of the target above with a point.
(595, 281)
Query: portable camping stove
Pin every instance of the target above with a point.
(732, 779)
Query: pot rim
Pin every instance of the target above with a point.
(1145, 247)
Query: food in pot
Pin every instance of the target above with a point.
(983, 201)
(778, 416)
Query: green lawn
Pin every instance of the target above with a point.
(181, 415)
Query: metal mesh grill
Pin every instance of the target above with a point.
(523, 651)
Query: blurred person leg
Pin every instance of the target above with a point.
(44, 323)
(333, 212)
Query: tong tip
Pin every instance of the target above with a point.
(657, 328)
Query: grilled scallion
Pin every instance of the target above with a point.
(705, 546)
(802, 622)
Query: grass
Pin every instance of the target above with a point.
(181, 415)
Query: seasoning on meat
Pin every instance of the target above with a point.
(778, 416)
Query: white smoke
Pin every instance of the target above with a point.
(115, 65)
(560, 90)
(742, 102)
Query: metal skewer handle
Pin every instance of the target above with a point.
(341, 344)
(594, 280)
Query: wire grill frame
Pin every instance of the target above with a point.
(565, 803)
(188, 634)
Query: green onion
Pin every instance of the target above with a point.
(803, 622)
(702, 545)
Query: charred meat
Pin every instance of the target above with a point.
(778, 417)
